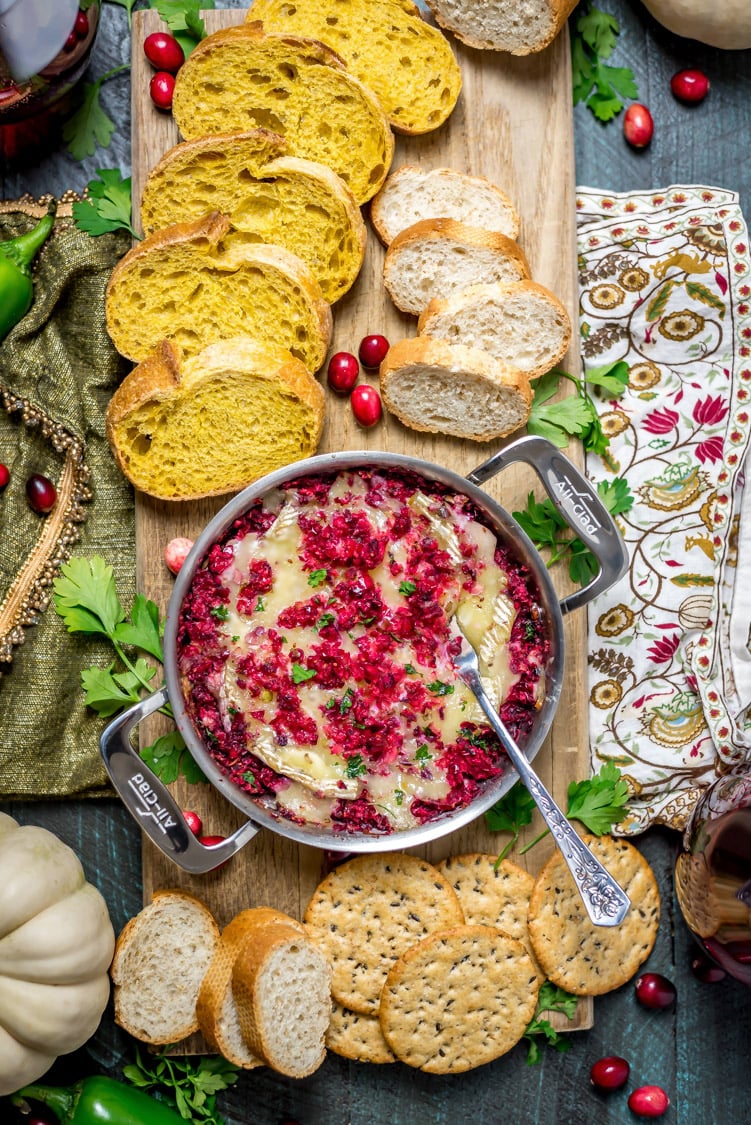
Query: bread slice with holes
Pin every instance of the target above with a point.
(521, 323)
(268, 197)
(503, 25)
(182, 284)
(242, 78)
(406, 61)
(182, 428)
(282, 988)
(411, 194)
(160, 960)
(436, 257)
(452, 389)
(217, 1013)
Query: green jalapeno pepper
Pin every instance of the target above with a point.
(100, 1101)
(16, 256)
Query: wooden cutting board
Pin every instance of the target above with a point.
(513, 124)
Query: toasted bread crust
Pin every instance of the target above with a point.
(454, 22)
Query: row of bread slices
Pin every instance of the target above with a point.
(485, 329)
(252, 234)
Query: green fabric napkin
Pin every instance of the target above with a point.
(58, 370)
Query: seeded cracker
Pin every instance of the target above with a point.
(367, 912)
(574, 953)
(458, 999)
(356, 1036)
(492, 896)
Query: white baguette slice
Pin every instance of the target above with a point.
(451, 389)
(217, 1013)
(503, 25)
(160, 960)
(521, 323)
(411, 194)
(436, 257)
(282, 987)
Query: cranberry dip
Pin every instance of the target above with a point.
(315, 643)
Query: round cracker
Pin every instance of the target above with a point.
(368, 911)
(493, 895)
(356, 1036)
(458, 999)
(575, 953)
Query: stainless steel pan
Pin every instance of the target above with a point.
(151, 803)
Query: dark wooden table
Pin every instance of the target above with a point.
(699, 1051)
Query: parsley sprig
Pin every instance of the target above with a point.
(548, 530)
(598, 803)
(189, 1087)
(86, 598)
(549, 999)
(107, 206)
(577, 415)
(600, 86)
(90, 125)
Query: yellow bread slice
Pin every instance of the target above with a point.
(387, 44)
(451, 389)
(216, 422)
(180, 284)
(299, 204)
(240, 78)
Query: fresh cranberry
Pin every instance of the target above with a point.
(209, 841)
(81, 25)
(176, 552)
(366, 405)
(705, 970)
(70, 43)
(4, 476)
(162, 89)
(609, 1073)
(653, 990)
(193, 821)
(690, 86)
(372, 350)
(342, 372)
(638, 125)
(163, 51)
(41, 494)
(648, 1101)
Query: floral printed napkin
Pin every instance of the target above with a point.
(665, 284)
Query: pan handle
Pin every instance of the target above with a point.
(577, 501)
(149, 801)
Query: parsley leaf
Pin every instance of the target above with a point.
(512, 813)
(129, 5)
(600, 802)
(575, 416)
(90, 126)
(183, 15)
(188, 1087)
(438, 687)
(550, 999)
(600, 86)
(547, 528)
(169, 758)
(407, 588)
(356, 767)
(316, 577)
(86, 598)
(301, 674)
(422, 753)
(108, 206)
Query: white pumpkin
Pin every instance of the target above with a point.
(726, 24)
(56, 945)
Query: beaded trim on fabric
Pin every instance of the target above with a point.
(29, 595)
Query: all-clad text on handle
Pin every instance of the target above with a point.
(151, 804)
(577, 501)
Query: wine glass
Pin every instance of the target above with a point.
(713, 873)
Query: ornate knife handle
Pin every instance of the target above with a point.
(606, 903)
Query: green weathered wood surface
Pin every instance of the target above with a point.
(699, 1050)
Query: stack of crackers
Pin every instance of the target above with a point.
(440, 966)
